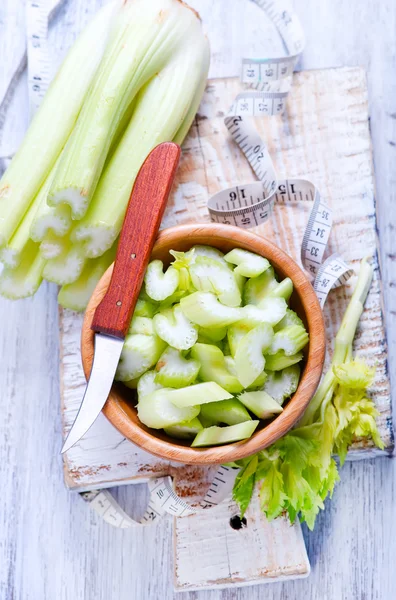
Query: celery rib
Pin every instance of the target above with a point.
(51, 125)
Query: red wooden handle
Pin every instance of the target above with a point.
(139, 231)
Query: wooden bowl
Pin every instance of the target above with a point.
(119, 408)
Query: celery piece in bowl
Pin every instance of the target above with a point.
(157, 411)
(214, 368)
(204, 309)
(210, 275)
(173, 370)
(214, 436)
(160, 285)
(184, 431)
(280, 385)
(260, 404)
(249, 355)
(229, 412)
(280, 361)
(147, 384)
(269, 310)
(139, 354)
(248, 263)
(290, 339)
(197, 394)
(175, 328)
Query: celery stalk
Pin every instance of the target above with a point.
(76, 295)
(53, 246)
(145, 39)
(67, 267)
(163, 111)
(51, 125)
(343, 341)
(26, 278)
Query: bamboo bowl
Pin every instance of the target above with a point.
(119, 408)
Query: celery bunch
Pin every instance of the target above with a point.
(134, 78)
(298, 472)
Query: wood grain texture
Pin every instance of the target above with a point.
(52, 546)
(120, 406)
(141, 224)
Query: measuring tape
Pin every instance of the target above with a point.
(163, 499)
(267, 82)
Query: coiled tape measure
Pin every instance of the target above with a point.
(266, 85)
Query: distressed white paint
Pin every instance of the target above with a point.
(53, 547)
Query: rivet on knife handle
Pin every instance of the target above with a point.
(142, 221)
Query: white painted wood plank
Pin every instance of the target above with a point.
(53, 547)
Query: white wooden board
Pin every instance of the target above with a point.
(328, 110)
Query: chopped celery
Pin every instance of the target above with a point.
(173, 370)
(216, 334)
(51, 125)
(76, 295)
(209, 252)
(210, 275)
(173, 299)
(175, 328)
(229, 412)
(65, 268)
(241, 280)
(290, 339)
(248, 263)
(157, 411)
(185, 430)
(142, 325)
(160, 285)
(132, 383)
(290, 318)
(147, 384)
(26, 278)
(205, 340)
(234, 335)
(199, 393)
(204, 309)
(214, 436)
(161, 107)
(249, 355)
(144, 308)
(266, 285)
(284, 289)
(279, 361)
(269, 310)
(213, 367)
(260, 404)
(282, 384)
(257, 383)
(260, 287)
(140, 353)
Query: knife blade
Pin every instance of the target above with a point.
(114, 313)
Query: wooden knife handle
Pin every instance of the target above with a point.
(139, 231)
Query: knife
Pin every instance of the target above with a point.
(113, 315)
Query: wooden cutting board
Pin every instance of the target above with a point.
(323, 136)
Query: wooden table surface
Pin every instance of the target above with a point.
(52, 546)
